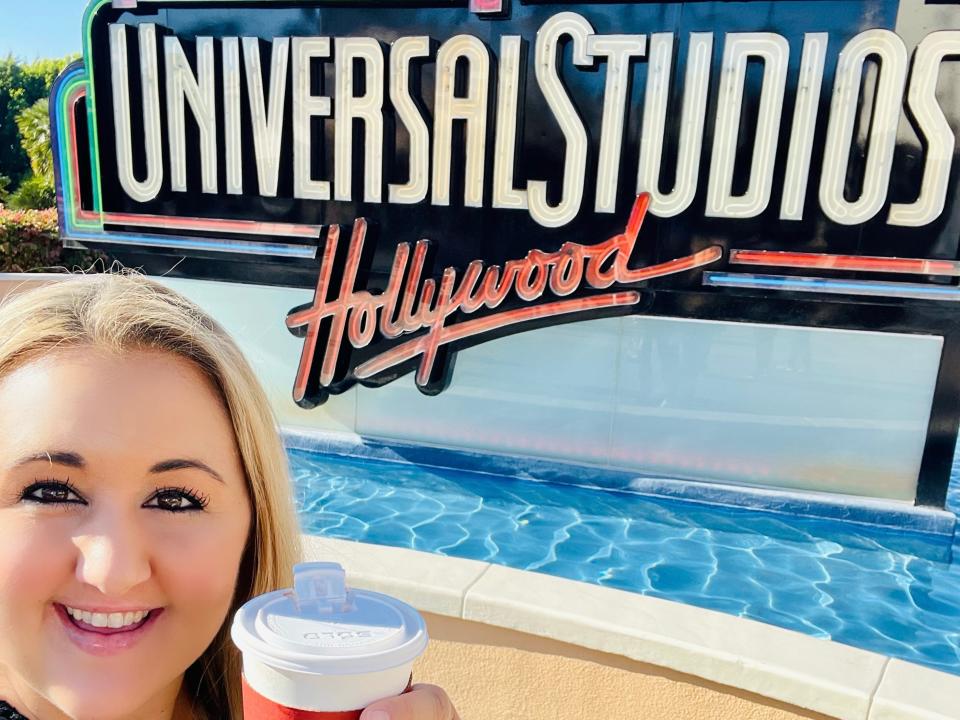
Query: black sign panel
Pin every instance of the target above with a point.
(443, 174)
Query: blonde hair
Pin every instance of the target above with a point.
(123, 312)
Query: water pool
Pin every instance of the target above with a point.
(888, 591)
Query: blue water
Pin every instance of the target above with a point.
(890, 592)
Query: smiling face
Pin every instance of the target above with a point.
(121, 491)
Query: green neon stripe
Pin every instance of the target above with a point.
(67, 170)
(88, 16)
(66, 167)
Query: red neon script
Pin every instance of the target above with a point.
(357, 315)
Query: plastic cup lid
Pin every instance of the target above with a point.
(325, 628)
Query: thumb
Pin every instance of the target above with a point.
(423, 702)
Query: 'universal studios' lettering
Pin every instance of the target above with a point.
(386, 81)
(793, 163)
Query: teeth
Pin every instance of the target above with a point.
(110, 620)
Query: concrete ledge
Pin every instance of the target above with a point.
(912, 692)
(819, 675)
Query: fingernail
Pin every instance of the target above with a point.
(376, 715)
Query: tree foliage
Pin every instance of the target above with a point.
(34, 193)
(34, 126)
(21, 86)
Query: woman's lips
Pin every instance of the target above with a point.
(104, 641)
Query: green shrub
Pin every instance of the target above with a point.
(35, 193)
(34, 126)
(21, 85)
(30, 242)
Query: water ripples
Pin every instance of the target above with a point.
(891, 592)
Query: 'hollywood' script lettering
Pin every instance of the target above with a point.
(358, 315)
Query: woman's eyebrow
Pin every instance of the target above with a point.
(53, 457)
(183, 464)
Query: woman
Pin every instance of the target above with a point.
(143, 498)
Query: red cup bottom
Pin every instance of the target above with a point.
(257, 707)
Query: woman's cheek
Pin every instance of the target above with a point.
(36, 560)
(36, 555)
(201, 561)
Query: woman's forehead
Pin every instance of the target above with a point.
(136, 403)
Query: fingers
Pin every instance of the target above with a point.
(423, 702)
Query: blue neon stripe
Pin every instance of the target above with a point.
(826, 285)
(190, 243)
(60, 144)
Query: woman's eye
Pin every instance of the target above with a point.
(177, 500)
(51, 493)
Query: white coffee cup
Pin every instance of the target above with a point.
(323, 648)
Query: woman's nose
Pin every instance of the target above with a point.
(114, 555)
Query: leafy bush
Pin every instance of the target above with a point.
(30, 242)
(35, 193)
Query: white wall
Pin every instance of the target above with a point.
(804, 408)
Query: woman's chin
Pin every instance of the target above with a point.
(107, 698)
(82, 706)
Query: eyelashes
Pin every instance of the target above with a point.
(177, 499)
(168, 497)
(50, 492)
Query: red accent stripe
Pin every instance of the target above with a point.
(75, 167)
(248, 227)
(865, 263)
(485, 6)
(80, 213)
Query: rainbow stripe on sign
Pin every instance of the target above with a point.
(90, 223)
(80, 224)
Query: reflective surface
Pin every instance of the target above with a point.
(557, 138)
(771, 405)
(883, 591)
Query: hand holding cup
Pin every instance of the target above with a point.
(323, 651)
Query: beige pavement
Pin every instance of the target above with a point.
(497, 674)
